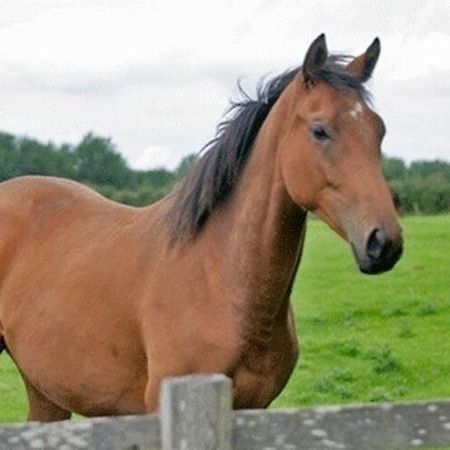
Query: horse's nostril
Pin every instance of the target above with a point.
(376, 244)
(382, 251)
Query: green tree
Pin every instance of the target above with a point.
(185, 165)
(394, 168)
(157, 178)
(97, 160)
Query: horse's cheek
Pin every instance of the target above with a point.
(301, 177)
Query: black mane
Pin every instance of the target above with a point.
(222, 159)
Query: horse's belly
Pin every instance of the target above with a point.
(86, 385)
(85, 370)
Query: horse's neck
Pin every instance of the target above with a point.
(264, 229)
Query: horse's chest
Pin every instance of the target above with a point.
(263, 374)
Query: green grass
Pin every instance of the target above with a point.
(13, 402)
(370, 339)
(363, 339)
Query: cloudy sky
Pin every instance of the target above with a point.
(157, 75)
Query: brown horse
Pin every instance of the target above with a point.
(100, 301)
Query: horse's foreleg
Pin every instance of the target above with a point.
(42, 409)
(152, 395)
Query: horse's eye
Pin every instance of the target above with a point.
(319, 133)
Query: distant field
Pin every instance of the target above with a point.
(363, 339)
(372, 339)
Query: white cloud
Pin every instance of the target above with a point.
(157, 74)
(414, 56)
(154, 156)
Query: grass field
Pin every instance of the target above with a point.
(371, 339)
(363, 339)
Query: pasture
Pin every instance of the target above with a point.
(363, 339)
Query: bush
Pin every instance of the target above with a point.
(422, 188)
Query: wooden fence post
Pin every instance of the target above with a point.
(195, 413)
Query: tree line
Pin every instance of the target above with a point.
(94, 161)
(421, 187)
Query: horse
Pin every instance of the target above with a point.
(100, 301)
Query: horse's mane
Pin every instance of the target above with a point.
(222, 159)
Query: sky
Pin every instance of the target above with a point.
(157, 75)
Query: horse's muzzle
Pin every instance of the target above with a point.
(381, 253)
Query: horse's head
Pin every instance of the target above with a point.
(331, 158)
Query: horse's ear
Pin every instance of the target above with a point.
(315, 58)
(362, 66)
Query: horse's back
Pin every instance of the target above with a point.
(33, 208)
(25, 198)
(19, 195)
(49, 229)
(30, 200)
(46, 220)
